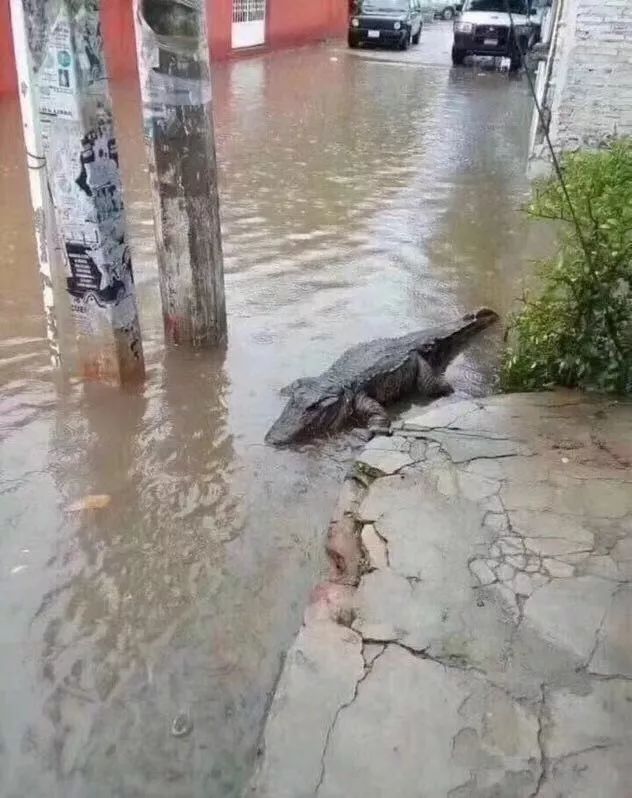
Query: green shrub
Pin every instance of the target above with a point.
(577, 330)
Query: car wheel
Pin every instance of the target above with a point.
(417, 36)
(458, 56)
(405, 42)
(448, 12)
(352, 40)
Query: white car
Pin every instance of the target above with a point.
(539, 11)
(446, 9)
(484, 28)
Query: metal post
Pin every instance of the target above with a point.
(69, 135)
(173, 61)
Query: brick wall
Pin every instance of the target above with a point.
(588, 82)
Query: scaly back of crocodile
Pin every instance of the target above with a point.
(365, 362)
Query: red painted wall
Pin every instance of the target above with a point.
(289, 22)
(292, 22)
(118, 30)
(219, 14)
(118, 37)
(8, 79)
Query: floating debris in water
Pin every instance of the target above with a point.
(182, 725)
(95, 501)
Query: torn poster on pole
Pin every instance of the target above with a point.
(175, 78)
(76, 135)
(26, 43)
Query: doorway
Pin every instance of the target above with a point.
(249, 23)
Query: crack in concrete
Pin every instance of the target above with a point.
(606, 549)
(450, 426)
(599, 629)
(260, 748)
(597, 747)
(510, 525)
(621, 462)
(367, 672)
(375, 473)
(521, 601)
(475, 458)
(491, 457)
(460, 664)
(469, 784)
(412, 579)
(422, 433)
(479, 558)
(461, 706)
(607, 677)
(488, 513)
(368, 664)
(387, 553)
(544, 765)
(454, 662)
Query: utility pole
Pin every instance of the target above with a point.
(175, 79)
(75, 182)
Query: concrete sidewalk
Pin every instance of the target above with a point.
(475, 638)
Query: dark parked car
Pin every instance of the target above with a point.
(392, 22)
(484, 28)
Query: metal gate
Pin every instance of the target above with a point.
(249, 23)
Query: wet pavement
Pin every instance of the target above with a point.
(361, 196)
(477, 611)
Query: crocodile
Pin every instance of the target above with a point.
(371, 375)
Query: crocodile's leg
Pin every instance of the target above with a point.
(372, 414)
(429, 383)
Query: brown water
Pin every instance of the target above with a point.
(360, 198)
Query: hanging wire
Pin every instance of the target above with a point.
(556, 164)
(546, 128)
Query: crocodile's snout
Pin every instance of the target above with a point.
(309, 412)
(280, 434)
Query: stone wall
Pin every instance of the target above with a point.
(586, 84)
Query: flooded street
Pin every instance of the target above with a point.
(361, 197)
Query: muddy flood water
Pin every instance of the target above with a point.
(361, 197)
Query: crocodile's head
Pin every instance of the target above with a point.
(450, 339)
(314, 407)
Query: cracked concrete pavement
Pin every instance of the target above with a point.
(474, 639)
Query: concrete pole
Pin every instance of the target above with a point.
(70, 138)
(45, 229)
(175, 79)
